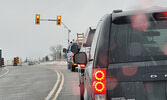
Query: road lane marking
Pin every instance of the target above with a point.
(60, 87)
(5, 72)
(54, 88)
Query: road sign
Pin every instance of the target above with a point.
(37, 19)
(2, 62)
(17, 60)
(59, 20)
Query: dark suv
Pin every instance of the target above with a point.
(128, 59)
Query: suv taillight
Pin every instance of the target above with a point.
(99, 75)
(99, 87)
(75, 64)
(99, 84)
(82, 65)
(73, 54)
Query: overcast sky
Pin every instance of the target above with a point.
(21, 37)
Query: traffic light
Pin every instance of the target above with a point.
(17, 60)
(59, 20)
(2, 62)
(37, 19)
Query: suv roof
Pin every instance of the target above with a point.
(127, 13)
(88, 37)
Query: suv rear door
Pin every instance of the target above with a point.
(89, 67)
(137, 69)
(98, 54)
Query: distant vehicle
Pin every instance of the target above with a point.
(128, 57)
(86, 44)
(31, 63)
(71, 51)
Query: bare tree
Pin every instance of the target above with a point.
(56, 52)
(59, 51)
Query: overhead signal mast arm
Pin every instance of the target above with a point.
(58, 22)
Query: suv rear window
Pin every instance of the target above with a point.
(128, 44)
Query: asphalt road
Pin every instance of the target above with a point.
(70, 90)
(39, 82)
(3, 71)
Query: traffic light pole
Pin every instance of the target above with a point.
(69, 31)
(48, 19)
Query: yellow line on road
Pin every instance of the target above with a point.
(54, 88)
(5, 72)
(60, 87)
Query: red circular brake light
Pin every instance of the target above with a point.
(99, 86)
(99, 75)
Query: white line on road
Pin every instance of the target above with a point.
(54, 88)
(60, 87)
(7, 71)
